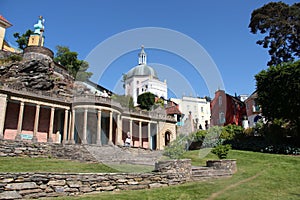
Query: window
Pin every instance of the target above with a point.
(221, 118)
(220, 100)
(137, 92)
(202, 109)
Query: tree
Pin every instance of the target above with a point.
(280, 23)
(124, 77)
(146, 100)
(75, 67)
(23, 39)
(278, 90)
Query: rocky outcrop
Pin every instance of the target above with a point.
(37, 75)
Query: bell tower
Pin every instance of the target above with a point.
(142, 57)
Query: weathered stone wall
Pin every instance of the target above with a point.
(164, 127)
(182, 166)
(36, 185)
(68, 151)
(37, 53)
(5, 54)
(228, 165)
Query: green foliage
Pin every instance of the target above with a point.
(280, 23)
(160, 102)
(212, 137)
(124, 77)
(11, 58)
(125, 101)
(278, 88)
(23, 39)
(199, 135)
(177, 147)
(77, 68)
(231, 131)
(146, 100)
(221, 151)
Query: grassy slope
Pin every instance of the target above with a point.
(25, 164)
(260, 176)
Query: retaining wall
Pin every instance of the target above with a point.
(37, 185)
(11, 148)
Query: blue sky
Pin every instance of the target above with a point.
(220, 27)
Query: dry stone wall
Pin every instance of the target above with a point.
(10, 148)
(37, 185)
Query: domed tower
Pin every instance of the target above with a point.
(143, 78)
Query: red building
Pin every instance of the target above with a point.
(226, 109)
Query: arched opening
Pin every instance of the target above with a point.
(167, 138)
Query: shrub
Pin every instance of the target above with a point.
(177, 147)
(231, 132)
(212, 137)
(197, 139)
(221, 150)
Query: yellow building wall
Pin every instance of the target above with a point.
(34, 40)
(163, 128)
(2, 35)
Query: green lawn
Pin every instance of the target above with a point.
(260, 176)
(26, 164)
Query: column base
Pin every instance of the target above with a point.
(72, 142)
(98, 143)
(64, 142)
(110, 143)
(34, 139)
(50, 140)
(18, 137)
(84, 142)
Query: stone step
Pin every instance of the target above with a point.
(116, 154)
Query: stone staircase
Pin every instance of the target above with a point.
(124, 155)
(204, 173)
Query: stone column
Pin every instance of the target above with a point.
(130, 129)
(65, 127)
(36, 123)
(69, 127)
(71, 140)
(20, 121)
(120, 129)
(83, 140)
(110, 128)
(98, 142)
(157, 136)
(149, 136)
(140, 134)
(50, 132)
(3, 105)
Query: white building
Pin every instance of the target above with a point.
(198, 107)
(143, 78)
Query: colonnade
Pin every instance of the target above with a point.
(37, 104)
(70, 126)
